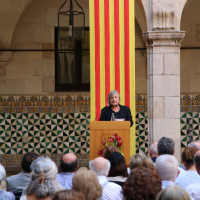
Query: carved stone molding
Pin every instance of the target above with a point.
(5, 57)
(163, 38)
(164, 19)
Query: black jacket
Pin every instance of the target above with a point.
(124, 113)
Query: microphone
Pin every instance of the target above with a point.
(121, 113)
(101, 112)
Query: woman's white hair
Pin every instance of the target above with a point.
(43, 179)
(112, 93)
(2, 173)
(103, 172)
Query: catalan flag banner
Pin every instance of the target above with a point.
(112, 54)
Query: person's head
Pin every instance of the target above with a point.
(107, 151)
(196, 160)
(27, 160)
(113, 98)
(118, 165)
(100, 166)
(167, 167)
(140, 160)
(143, 184)
(187, 157)
(166, 146)
(195, 144)
(68, 195)
(173, 192)
(69, 163)
(86, 182)
(2, 173)
(153, 152)
(43, 181)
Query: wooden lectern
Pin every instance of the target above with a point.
(101, 130)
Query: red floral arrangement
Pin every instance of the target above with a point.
(114, 140)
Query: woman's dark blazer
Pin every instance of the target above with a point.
(124, 112)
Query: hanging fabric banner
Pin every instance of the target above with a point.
(112, 55)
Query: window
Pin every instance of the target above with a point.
(72, 63)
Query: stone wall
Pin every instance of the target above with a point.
(190, 58)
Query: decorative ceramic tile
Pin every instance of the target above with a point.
(55, 125)
(141, 132)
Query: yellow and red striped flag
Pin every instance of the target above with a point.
(112, 54)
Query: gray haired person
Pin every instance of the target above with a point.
(101, 167)
(4, 194)
(115, 111)
(167, 146)
(43, 182)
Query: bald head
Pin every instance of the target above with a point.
(153, 152)
(100, 165)
(68, 158)
(195, 144)
(69, 163)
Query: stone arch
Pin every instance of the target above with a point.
(11, 15)
(140, 15)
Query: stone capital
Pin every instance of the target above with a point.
(163, 38)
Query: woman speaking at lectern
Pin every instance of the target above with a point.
(114, 111)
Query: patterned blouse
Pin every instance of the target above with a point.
(6, 195)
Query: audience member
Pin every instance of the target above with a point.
(43, 182)
(118, 170)
(173, 192)
(68, 166)
(190, 175)
(193, 189)
(141, 160)
(195, 144)
(167, 168)
(86, 182)
(142, 184)
(18, 182)
(68, 195)
(153, 152)
(111, 190)
(4, 194)
(167, 146)
(107, 151)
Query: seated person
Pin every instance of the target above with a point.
(118, 169)
(142, 183)
(68, 195)
(189, 176)
(4, 194)
(141, 160)
(173, 192)
(86, 182)
(18, 182)
(68, 166)
(43, 184)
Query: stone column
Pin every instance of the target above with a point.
(163, 57)
(163, 39)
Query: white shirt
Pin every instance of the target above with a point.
(112, 191)
(167, 183)
(194, 190)
(187, 178)
(65, 179)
